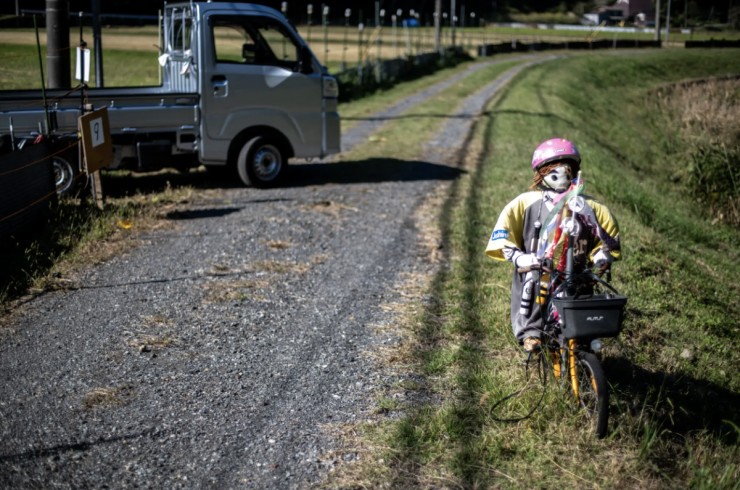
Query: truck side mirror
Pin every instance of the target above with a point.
(305, 63)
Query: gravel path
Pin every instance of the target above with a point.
(218, 352)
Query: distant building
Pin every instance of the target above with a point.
(637, 12)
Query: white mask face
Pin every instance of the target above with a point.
(557, 179)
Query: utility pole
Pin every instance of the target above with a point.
(729, 14)
(453, 17)
(438, 25)
(657, 20)
(668, 23)
(97, 44)
(57, 44)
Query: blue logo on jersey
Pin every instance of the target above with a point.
(500, 235)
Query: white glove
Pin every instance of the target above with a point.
(602, 259)
(525, 261)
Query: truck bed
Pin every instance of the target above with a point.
(130, 109)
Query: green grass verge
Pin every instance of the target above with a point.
(673, 370)
(422, 120)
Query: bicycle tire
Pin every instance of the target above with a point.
(593, 392)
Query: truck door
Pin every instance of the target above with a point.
(253, 77)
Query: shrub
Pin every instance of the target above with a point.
(355, 83)
(703, 124)
(546, 18)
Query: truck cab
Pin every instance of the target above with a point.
(263, 96)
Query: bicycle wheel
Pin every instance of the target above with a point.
(592, 391)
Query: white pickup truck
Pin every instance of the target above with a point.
(241, 90)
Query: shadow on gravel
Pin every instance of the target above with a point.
(77, 446)
(298, 174)
(373, 170)
(163, 280)
(201, 213)
(120, 183)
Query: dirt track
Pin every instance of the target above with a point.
(228, 348)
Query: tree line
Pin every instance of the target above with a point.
(683, 12)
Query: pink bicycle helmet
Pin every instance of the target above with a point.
(554, 150)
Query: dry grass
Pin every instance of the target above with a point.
(334, 209)
(155, 334)
(148, 342)
(237, 290)
(415, 326)
(410, 320)
(706, 117)
(223, 290)
(278, 244)
(710, 108)
(280, 267)
(269, 266)
(361, 460)
(156, 321)
(106, 397)
(220, 269)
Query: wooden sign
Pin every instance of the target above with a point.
(96, 142)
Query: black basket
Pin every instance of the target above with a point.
(591, 317)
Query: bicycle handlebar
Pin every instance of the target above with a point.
(524, 270)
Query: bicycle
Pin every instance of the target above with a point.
(578, 310)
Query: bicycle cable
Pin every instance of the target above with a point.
(541, 364)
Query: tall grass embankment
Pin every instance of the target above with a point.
(673, 370)
(702, 139)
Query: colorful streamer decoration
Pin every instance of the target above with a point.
(555, 243)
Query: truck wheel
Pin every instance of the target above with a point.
(65, 175)
(260, 163)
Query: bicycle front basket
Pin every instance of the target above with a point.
(592, 317)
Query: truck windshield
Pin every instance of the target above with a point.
(254, 40)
